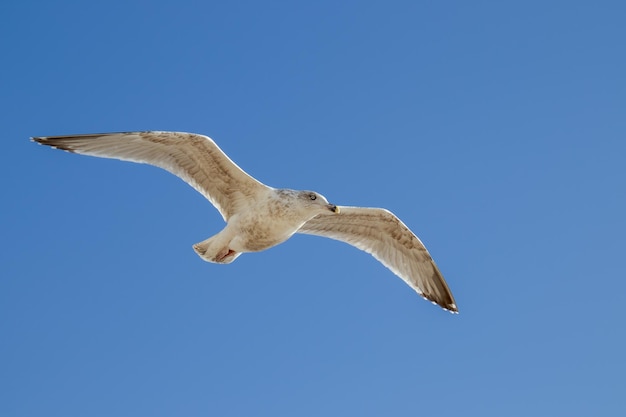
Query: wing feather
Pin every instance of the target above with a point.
(196, 159)
(383, 235)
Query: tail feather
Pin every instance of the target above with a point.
(201, 248)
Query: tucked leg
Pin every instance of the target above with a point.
(223, 255)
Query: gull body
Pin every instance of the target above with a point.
(248, 230)
(258, 216)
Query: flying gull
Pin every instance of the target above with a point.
(258, 216)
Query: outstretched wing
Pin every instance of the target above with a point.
(380, 233)
(196, 159)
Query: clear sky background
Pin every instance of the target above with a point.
(495, 130)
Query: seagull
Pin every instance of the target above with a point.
(258, 216)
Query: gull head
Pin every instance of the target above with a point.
(316, 202)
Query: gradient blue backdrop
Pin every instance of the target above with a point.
(495, 130)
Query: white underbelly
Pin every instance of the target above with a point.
(255, 236)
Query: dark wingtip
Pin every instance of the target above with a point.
(55, 142)
(449, 306)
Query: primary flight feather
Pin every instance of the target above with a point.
(258, 216)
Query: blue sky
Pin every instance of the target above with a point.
(494, 130)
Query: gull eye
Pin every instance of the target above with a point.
(312, 196)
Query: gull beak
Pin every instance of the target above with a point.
(333, 208)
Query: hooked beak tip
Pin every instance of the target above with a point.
(333, 208)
